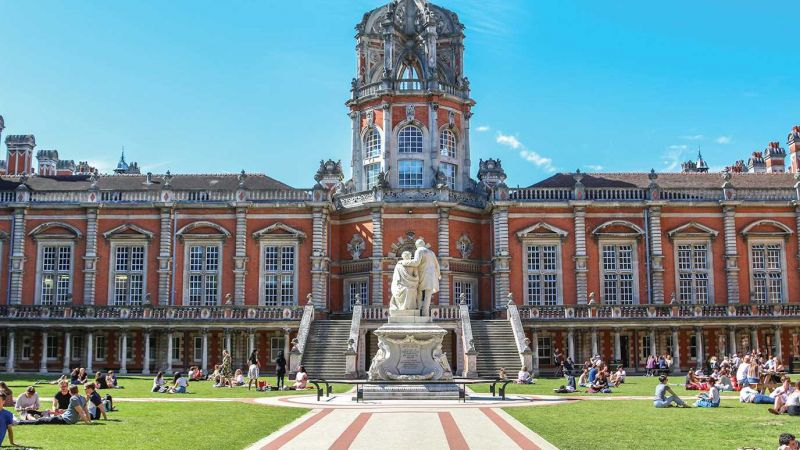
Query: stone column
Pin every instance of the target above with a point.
(653, 347)
(535, 349)
(501, 256)
(319, 257)
(90, 259)
(240, 257)
(204, 357)
(676, 351)
(656, 256)
(731, 253)
(228, 342)
(387, 134)
(43, 360)
(617, 346)
(357, 161)
(67, 352)
(699, 341)
(169, 352)
(571, 344)
(732, 340)
(581, 258)
(146, 362)
(433, 137)
(165, 257)
(444, 256)
(11, 348)
(594, 342)
(777, 344)
(754, 339)
(89, 351)
(251, 341)
(377, 255)
(17, 257)
(123, 357)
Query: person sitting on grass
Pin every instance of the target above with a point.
(73, 376)
(749, 395)
(9, 400)
(693, 382)
(583, 380)
(27, 404)
(600, 384)
(753, 374)
(709, 399)
(781, 395)
(111, 380)
(741, 371)
(618, 377)
(787, 441)
(301, 379)
(661, 400)
(501, 374)
(238, 378)
(6, 422)
(159, 385)
(592, 375)
(523, 376)
(100, 381)
(83, 376)
(95, 404)
(61, 399)
(179, 385)
(724, 382)
(74, 412)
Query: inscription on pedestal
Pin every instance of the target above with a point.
(410, 360)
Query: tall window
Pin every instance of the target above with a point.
(618, 274)
(177, 347)
(449, 171)
(198, 348)
(541, 269)
(693, 272)
(372, 172)
(693, 346)
(279, 274)
(100, 348)
(372, 143)
(52, 347)
(767, 272)
(545, 350)
(410, 79)
(447, 144)
(56, 274)
(3, 346)
(76, 351)
(410, 173)
(466, 287)
(410, 140)
(128, 274)
(27, 348)
(203, 274)
(357, 287)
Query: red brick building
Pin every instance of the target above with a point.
(160, 271)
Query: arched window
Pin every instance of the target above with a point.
(372, 143)
(410, 140)
(447, 144)
(409, 78)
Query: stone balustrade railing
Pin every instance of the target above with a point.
(357, 199)
(639, 194)
(438, 313)
(151, 313)
(357, 266)
(205, 196)
(593, 312)
(402, 85)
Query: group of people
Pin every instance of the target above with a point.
(657, 365)
(595, 376)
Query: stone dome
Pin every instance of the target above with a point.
(409, 17)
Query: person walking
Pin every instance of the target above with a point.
(227, 372)
(253, 371)
(280, 370)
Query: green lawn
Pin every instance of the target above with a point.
(139, 387)
(636, 424)
(196, 425)
(633, 386)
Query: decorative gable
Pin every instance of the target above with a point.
(279, 230)
(203, 229)
(693, 230)
(542, 230)
(128, 231)
(766, 227)
(618, 228)
(55, 230)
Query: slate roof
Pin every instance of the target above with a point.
(671, 180)
(204, 182)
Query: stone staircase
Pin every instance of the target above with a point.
(324, 353)
(496, 346)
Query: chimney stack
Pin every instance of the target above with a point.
(794, 149)
(20, 154)
(756, 163)
(775, 157)
(48, 162)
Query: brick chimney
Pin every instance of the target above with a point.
(20, 154)
(775, 157)
(48, 161)
(756, 163)
(794, 149)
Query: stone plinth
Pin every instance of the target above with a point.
(411, 392)
(410, 351)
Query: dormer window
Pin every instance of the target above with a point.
(410, 140)
(409, 79)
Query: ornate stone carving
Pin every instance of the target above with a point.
(464, 246)
(409, 112)
(329, 174)
(405, 243)
(356, 246)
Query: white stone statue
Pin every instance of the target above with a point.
(405, 282)
(429, 275)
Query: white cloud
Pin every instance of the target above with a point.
(693, 137)
(724, 140)
(673, 157)
(594, 167)
(103, 166)
(483, 128)
(528, 155)
(508, 141)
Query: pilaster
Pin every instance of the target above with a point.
(67, 352)
(165, 257)
(357, 163)
(319, 258)
(656, 256)
(90, 259)
(377, 255)
(444, 255)
(146, 362)
(501, 257)
(731, 254)
(240, 257)
(581, 258)
(17, 257)
(676, 351)
(11, 351)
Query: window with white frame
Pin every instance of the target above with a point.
(279, 271)
(198, 348)
(409, 140)
(693, 346)
(177, 348)
(644, 348)
(276, 345)
(449, 172)
(372, 172)
(468, 287)
(3, 347)
(203, 273)
(545, 350)
(55, 269)
(76, 350)
(447, 144)
(129, 273)
(52, 347)
(766, 272)
(372, 143)
(542, 274)
(27, 348)
(100, 348)
(693, 272)
(619, 269)
(409, 173)
(358, 287)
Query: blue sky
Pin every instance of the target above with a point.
(195, 86)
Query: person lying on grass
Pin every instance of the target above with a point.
(791, 405)
(662, 389)
(75, 411)
(750, 395)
